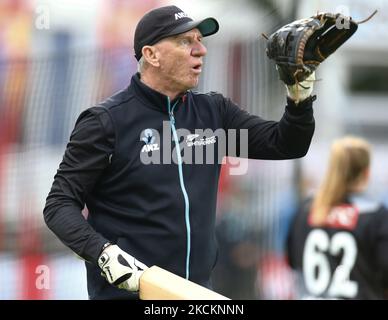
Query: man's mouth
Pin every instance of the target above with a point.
(197, 68)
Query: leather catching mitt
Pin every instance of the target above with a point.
(300, 47)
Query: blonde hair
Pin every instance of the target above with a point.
(349, 159)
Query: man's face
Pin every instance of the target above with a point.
(181, 59)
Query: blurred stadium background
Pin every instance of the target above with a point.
(58, 57)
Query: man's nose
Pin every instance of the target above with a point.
(199, 50)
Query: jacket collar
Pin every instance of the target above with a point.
(151, 97)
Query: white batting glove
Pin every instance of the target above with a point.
(121, 269)
(302, 90)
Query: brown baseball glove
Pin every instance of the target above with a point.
(300, 47)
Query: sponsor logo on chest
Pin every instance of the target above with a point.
(149, 139)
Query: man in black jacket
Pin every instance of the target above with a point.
(149, 203)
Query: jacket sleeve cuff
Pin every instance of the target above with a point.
(301, 107)
(93, 248)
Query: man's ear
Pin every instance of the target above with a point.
(151, 55)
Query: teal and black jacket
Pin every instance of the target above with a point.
(162, 213)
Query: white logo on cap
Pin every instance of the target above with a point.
(180, 15)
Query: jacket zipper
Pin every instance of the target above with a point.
(182, 184)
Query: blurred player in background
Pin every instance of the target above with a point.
(339, 240)
(163, 214)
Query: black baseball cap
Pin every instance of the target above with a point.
(168, 21)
